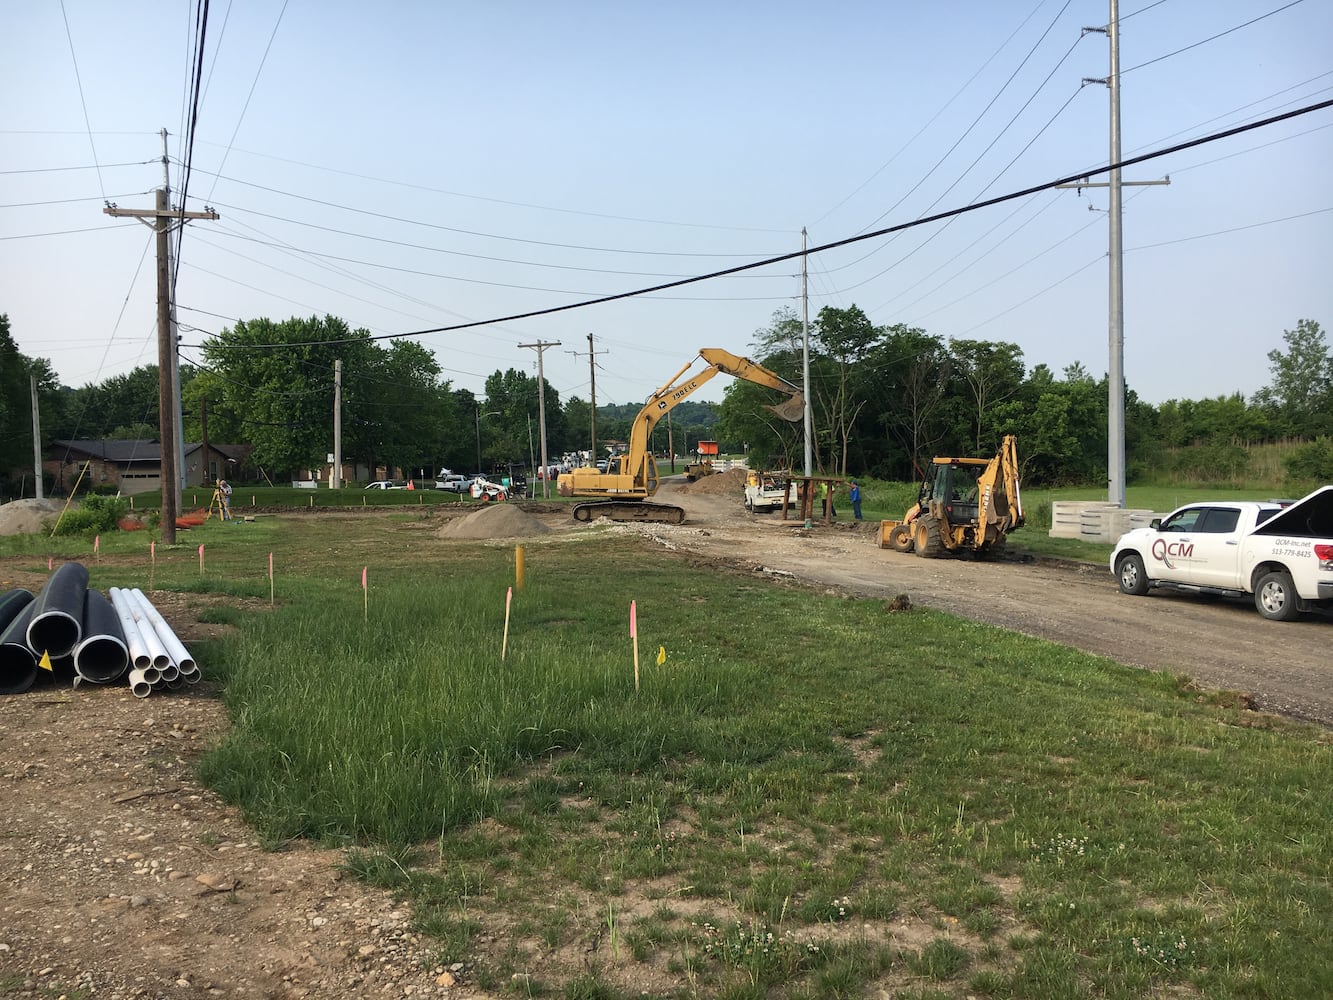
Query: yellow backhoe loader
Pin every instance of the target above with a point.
(621, 492)
(965, 505)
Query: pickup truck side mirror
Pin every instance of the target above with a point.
(1155, 523)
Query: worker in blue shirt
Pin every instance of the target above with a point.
(854, 495)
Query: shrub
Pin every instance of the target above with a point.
(94, 514)
(1311, 462)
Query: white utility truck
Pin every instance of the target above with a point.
(1280, 553)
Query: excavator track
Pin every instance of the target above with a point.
(630, 510)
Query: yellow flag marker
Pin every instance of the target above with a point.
(661, 655)
(45, 662)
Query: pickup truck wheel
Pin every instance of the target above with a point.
(1133, 578)
(1275, 597)
(749, 505)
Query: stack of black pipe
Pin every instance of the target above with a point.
(74, 628)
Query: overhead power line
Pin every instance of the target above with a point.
(461, 232)
(82, 102)
(862, 237)
(94, 166)
(1211, 38)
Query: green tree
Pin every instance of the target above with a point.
(1300, 396)
(512, 397)
(276, 387)
(845, 335)
(911, 371)
(992, 373)
(16, 372)
(402, 410)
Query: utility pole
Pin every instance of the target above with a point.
(805, 358)
(36, 437)
(1115, 376)
(179, 442)
(203, 438)
(592, 381)
(805, 376)
(539, 347)
(336, 480)
(168, 415)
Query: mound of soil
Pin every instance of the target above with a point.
(732, 481)
(499, 520)
(25, 517)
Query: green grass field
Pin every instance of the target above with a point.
(810, 797)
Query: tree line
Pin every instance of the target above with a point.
(884, 400)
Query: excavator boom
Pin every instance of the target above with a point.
(630, 479)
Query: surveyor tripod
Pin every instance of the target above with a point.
(218, 505)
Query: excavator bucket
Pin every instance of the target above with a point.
(793, 410)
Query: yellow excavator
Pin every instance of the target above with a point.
(966, 505)
(621, 492)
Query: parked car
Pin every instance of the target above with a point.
(453, 482)
(383, 484)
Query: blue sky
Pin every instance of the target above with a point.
(413, 165)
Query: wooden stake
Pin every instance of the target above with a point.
(504, 644)
(634, 634)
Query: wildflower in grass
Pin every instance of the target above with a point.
(1170, 951)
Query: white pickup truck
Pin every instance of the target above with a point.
(1282, 554)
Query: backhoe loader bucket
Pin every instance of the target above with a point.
(793, 410)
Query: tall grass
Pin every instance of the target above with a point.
(396, 728)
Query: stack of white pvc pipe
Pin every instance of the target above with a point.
(159, 659)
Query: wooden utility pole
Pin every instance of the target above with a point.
(539, 347)
(36, 438)
(336, 480)
(162, 214)
(203, 436)
(592, 383)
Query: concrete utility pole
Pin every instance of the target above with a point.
(36, 437)
(592, 381)
(168, 414)
(1115, 375)
(539, 347)
(805, 370)
(805, 359)
(336, 480)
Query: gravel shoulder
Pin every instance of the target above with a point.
(121, 877)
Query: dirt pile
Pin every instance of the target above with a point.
(499, 520)
(25, 517)
(732, 481)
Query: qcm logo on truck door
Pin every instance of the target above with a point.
(1166, 551)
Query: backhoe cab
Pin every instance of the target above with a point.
(621, 492)
(965, 505)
